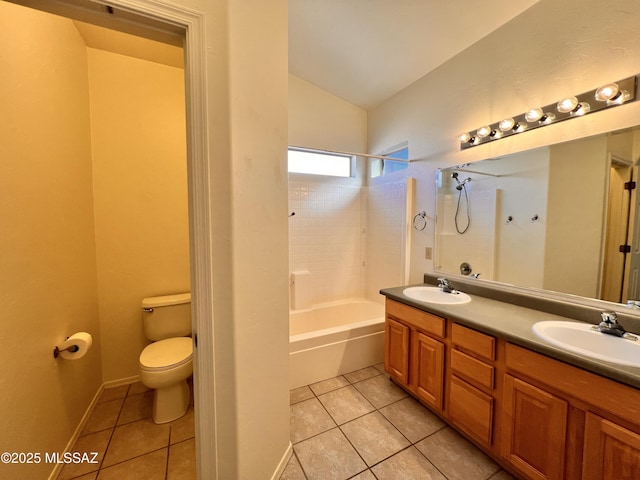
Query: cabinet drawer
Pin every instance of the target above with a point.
(472, 370)
(474, 342)
(471, 410)
(424, 321)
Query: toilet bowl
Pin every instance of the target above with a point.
(165, 366)
(167, 363)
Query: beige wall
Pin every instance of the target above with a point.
(576, 209)
(318, 119)
(247, 137)
(138, 137)
(552, 50)
(47, 262)
(259, 283)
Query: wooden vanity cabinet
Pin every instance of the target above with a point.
(539, 417)
(414, 352)
(539, 438)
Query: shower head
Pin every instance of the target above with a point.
(454, 175)
(461, 185)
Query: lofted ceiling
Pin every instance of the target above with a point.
(364, 51)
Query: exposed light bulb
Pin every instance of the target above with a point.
(464, 137)
(566, 105)
(534, 115)
(506, 124)
(619, 99)
(607, 92)
(581, 109)
(547, 118)
(483, 131)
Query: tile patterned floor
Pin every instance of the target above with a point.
(361, 426)
(356, 426)
(130, 445)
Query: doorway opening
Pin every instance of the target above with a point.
(176, 27)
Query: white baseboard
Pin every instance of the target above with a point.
(121, 381)
(83, 421)
(283, 463)
(76, 434)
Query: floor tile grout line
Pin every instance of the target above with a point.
(113, 430)
(137, 456)
(300, 464)
(376, 409)
(314, 395)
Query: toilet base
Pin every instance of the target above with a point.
(171, 402)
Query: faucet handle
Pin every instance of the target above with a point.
(609, 317)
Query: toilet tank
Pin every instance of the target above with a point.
(167, 316)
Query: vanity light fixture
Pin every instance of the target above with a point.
(606, 96)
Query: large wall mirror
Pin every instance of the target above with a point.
(562, 217)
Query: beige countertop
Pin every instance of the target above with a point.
(514, 324)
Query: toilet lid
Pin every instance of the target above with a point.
(167, 353)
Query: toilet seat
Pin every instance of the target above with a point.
(167, 354)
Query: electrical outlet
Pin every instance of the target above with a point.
(427, 253)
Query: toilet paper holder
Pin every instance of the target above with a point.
(70, 348)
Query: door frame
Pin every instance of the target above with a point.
(169, 23)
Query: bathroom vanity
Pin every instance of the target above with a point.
(538, 410)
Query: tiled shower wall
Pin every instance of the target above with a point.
(335, 227)
(326, 238)
(387, 230)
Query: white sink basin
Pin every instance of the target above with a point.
(435, 295)
(580, 338)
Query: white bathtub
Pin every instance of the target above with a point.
(334, 338)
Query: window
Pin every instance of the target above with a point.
(319, 163)
(382, 167)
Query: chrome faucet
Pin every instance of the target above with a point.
(610, 326)
(445, 286)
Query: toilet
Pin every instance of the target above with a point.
(167, 363)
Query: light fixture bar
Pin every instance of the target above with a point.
(606, 96)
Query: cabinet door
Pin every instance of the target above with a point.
(427, 367)
(611, 452)
(535, 430)
(396, 346)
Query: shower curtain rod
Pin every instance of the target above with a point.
(339, 152)
(477, 173)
